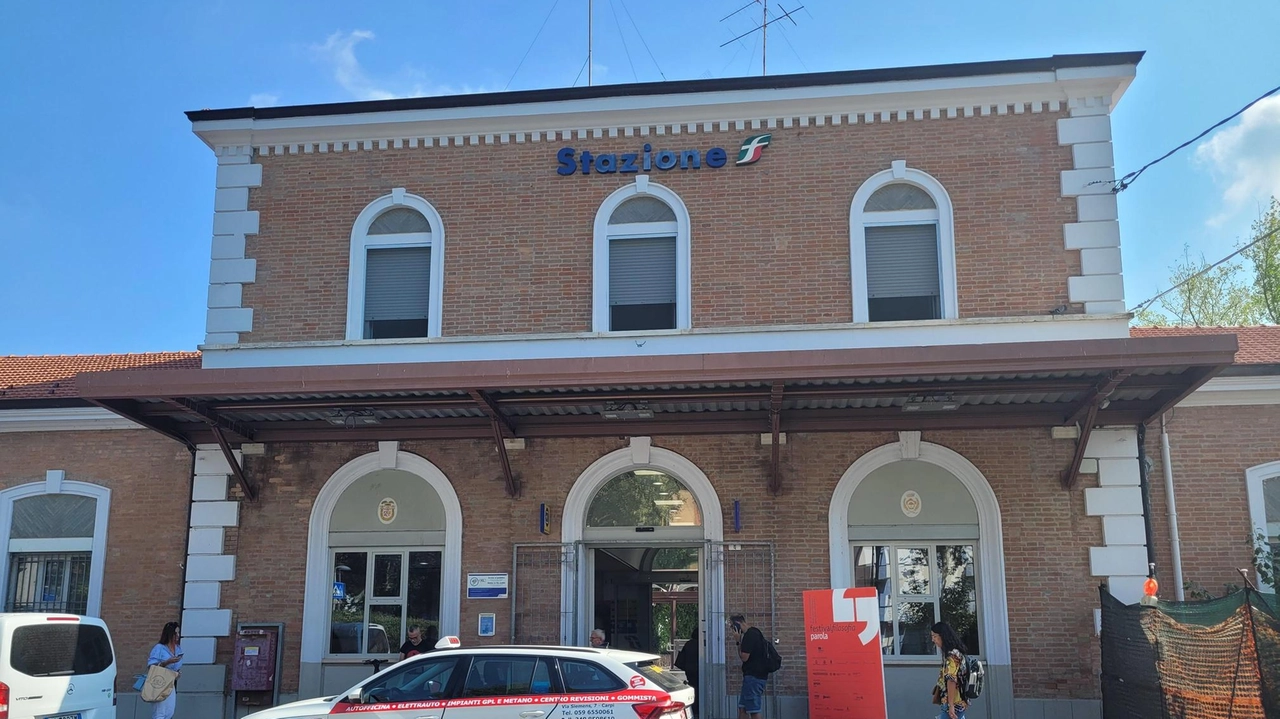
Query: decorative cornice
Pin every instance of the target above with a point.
(302, 145)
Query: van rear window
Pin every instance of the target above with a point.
(58, 650)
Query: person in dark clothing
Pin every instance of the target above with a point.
(415, 644)
(755, 667)
(687, 661)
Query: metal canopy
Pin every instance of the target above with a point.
(995, 386)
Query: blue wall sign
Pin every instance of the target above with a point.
(571, 161)
(486, 586)
(488, 624)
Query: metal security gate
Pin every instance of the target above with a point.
(748, 589)
(537, 572)
(47, 582)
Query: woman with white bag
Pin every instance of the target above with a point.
(163, 669)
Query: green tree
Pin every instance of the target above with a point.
(637, 499)
(1265, 256)
(1204, 297)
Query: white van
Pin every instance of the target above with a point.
(56, 666)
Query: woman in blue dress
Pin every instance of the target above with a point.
(168, 654)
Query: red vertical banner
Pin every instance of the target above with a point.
(846, 670)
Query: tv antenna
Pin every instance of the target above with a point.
(763, 28)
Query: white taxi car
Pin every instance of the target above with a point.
(516, 682)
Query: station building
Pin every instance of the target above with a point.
(523, 365)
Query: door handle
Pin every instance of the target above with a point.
(532, 714)
(430, 716)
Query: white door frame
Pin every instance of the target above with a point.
(589, 595)
(576, 589)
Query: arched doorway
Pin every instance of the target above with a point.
(646, 508)
(919, 522)
(384, 553)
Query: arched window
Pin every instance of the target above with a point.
(384, 554)
(641, 260)
(386, 543)
(918, 548)
(644, 498)
(395, 285)
(901, 248)
(55, 537)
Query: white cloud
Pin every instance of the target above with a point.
(339, 52)
(1245, 158)
(264, 99)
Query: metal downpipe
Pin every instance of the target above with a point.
(1175, 542)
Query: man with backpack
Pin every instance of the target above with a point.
(759, 660)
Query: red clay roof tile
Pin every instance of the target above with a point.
(1258, 345)
(54, 376)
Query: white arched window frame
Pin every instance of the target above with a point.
(97, 561)
(859, 220)
(604, 232)
(993, 609)
(362, 242)
(1255, 484)
(316, 595)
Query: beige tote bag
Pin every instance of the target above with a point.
(159, 683)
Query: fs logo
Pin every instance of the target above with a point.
(753, 149)
(857, 609)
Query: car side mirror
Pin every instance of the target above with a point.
(354, 696)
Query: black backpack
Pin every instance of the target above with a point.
(772, 659)
(973, 678)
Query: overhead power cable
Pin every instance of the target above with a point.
(1123, 183)
(642, 40)
(580, 70)
(1143, 305)
(622, 35)
(535, 40)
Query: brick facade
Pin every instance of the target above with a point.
(770, 241)
(1046, 532)
(150, 482)
(1211, 448)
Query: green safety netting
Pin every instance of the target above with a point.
(1216, 659)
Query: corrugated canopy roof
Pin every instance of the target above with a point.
(972, 386)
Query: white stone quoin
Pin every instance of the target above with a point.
(228, 267)
(203, 621)
(1096, 232)
(1122, 559)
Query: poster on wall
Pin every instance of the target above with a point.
(846, 669)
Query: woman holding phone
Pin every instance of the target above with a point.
(168, 654)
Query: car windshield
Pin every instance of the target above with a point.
(422, 681)
(656, 674)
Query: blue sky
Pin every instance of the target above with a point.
(106, 196)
